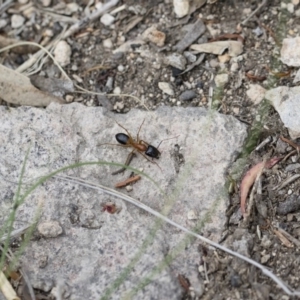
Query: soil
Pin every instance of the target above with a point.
(138, 73)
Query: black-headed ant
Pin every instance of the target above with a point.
(144, 148)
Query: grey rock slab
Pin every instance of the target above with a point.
(286, 101)
(95, 247)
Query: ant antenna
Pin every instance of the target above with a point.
(167, 139)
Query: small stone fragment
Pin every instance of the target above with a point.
(62, 53)
(50, 229)
(181, 7)
(155, 36)
(292, 167)
(221, 79)
(107, 19)
(191, 215)
(17, 21)
(256, 93)
(166, 88)
(286, 102)
(46, 3)
(195, 31)
(3, 23)
(190, 56)
(234, 48)
(117, 90)
(291, 204)
(288, 55)
(107, 43)
(224, 58)
(176, 60)
(187, 95)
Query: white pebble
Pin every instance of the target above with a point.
(3, 23)
(62, 53)
(166, 88)
(117, 90)
(107, 43)
(290, 8)
(181, 7)
(50, 229)
(46, 3)
(107, 19)
(17, 21)
(121, 68)
(129, 188)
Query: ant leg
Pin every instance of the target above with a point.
(137, 136)
(153, 162)
(127, 162)
(125, 146)
(124, 129)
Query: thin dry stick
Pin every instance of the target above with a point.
(74, 28)
(264, 2)
(112, 192)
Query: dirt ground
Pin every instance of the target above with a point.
(139, 71)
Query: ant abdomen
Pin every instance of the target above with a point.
(122, 138)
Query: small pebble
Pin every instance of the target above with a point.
(118, 106)
(176, 60)
(69, 98)
(50, 229)
(224, 58)
(46, 3)
(107, 43)
(181, 7)
(190, 56)
(121, 68)
(292, 167)
(290, 7)
(166, 88)
(107, 19)
(129, 188)
(77, 78)
(191, 215)
(117, 90)
(74, 68)
(3, 23)
(221, 79)
(62, 53)
(234, 67)
(187, 95)
(155, 36)
(17, 21)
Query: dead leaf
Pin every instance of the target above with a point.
(55, 86)
(16, 88)
(234, 48)
(250, 177)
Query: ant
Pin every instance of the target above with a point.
(144, 148)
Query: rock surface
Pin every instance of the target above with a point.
(287, 102)
(95, 247)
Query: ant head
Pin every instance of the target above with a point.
(152, 152)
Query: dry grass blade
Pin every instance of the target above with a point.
(7, 289)
(16, 88)
(112, 192)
